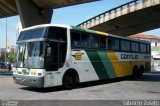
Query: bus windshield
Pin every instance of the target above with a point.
(31, 55)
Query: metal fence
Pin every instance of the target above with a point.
(118, 11)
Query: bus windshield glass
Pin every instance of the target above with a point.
(20, 55)
(32, 34)
(31, 55)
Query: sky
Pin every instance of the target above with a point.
(72, 15)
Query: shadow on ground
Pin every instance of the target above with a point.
(79, 86)
(152, 76)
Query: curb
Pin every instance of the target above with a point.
(6, 73)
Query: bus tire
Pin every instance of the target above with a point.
(135, 72)
(140, 72)
(70, 79)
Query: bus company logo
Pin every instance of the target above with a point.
(129, 56)
(25, 71)
(78, 55)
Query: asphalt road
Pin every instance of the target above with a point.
(123, 89)
(147, 88)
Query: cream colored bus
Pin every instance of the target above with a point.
(53, 55)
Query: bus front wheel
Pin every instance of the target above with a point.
(69, 80)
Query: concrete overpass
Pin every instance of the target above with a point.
(130, 18)
(33, 12)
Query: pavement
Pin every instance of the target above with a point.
(97, 93)
(146, 88)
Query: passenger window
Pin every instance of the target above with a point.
(113, 44)
(143, 48)
(85, 40)
(102, 43)
(75, 39)
(135, 47)
(94, 41)
(125, 45)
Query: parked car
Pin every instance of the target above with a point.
(5, 65)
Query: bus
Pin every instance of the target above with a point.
(51, 55)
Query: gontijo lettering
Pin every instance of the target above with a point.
(129, 56)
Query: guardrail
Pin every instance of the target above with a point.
(118, 11)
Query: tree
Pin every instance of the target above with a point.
(2, 57)
(11, 57)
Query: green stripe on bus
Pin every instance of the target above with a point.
(83, 30)
(97, 64)
(107, 64)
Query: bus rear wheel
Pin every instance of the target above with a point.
(135, 72)
(69, 80)
(141, 71)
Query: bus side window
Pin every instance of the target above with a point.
(75, 39)
(125, 45)
(94, 41)
(135, 47)
(113, 44)
(143, 48)
(102, 42)
(85, 40)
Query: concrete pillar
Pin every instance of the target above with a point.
(30, 14)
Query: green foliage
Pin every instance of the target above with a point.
(11, 57)
(2, 57)
(155, 48)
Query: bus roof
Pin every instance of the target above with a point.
(89, 31)
(83, 30)
(129, 38)
(47, 25)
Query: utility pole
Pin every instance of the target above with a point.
(0, 50)
(0, 47)
(6, 42)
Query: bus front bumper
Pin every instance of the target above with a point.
(30, 81)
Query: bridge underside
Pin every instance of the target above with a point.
(59, 3)
(34, 12)
(132, 23)
(7, 8)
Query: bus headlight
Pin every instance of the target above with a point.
(14, 71)
(39, 74)
(33, 72)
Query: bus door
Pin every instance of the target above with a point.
(51, 63)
